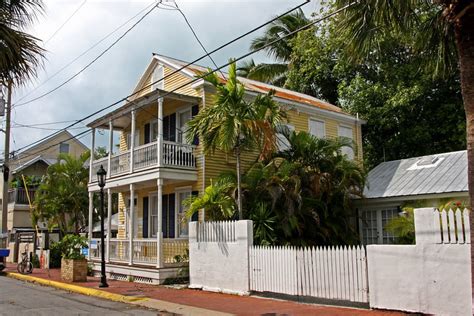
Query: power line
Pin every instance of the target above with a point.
(90, 63)
(194, 32)
(65, 22)
(195, 61)
(42, 124)
(85, 52)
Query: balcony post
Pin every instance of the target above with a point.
(91, 159)
(91, 209)
(160, 132)
(131, 223)
(109, 223)
(132, 141)
(159, 232)
(111, 144)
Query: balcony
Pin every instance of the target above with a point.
(20, 196)
(174, 155)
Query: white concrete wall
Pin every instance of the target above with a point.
(219, 256)
(427, 277)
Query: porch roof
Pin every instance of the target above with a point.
(119, 115)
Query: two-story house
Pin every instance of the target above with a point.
(32, 162)
(156, 169)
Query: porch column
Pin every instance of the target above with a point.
(132, 141)
(111, 144)
(91, 159)
(109, 223)
(160, 132)
(131, 223)
(91, 209)
(159, 231)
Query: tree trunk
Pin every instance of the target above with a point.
(464, 29)
(239, 185)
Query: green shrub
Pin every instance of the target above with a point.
(35, 261)
(71, 246)
(55, 255)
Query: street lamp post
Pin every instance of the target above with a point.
(101, 173)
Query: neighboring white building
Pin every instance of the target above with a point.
(427, 181)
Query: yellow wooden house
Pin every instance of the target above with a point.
(156, 169)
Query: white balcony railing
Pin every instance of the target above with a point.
(145, 156)
(175, 251)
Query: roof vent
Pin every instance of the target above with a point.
(426, 162)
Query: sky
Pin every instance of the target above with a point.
(116, 73)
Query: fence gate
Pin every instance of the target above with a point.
(337, 273)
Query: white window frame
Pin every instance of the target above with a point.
(319, 121)
(152, 195)
(137, 138)
(381, 231)
(127, 216)
(158, 72)
(151, 123)
(179, 111)
(177, 191)
(350, 152)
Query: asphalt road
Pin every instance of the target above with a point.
(22, 298)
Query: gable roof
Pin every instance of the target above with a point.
(432, 174)
(25, 165)
(51, 138)
(250, 85)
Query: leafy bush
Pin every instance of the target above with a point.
(35, 261)
(71, 246)
(55, 255)
(403, 226)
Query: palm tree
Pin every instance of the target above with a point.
(20, 54)
(232, 124)
(443, 27)
(281, 50)
(62, 198)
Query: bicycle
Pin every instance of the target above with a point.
(25, 266)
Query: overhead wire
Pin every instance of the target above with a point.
(126, 98)
(65, 22)
(85, 52)
(91, 62)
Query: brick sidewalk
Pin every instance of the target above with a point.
(238, 305)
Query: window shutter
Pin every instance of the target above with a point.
(195, 216)
(194, 112)
(147, 133)
(145, 217)
(164, 216)
(166, 128)
(171, 216)
(172, 127)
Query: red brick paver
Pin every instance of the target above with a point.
(239, 305)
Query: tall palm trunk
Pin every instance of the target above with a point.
(465, 45)
(239, 184)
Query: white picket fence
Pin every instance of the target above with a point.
(454, 226)
(338, 273)
(220, 231)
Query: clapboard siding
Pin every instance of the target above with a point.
(175, 81)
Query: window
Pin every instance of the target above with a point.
(183, 118)
(158, 74)
(64, 148)
(182, 219)
(317, 128)
(154, 130)
(282, 142)
(372, 226)
(346, 131)
(153, 211)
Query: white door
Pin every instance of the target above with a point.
(372, 226)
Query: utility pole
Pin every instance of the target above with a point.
(6, 169)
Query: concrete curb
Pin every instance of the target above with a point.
(139, 301)
(76, 288)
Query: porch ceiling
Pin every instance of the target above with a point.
(121, 117)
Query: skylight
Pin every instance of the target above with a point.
(426, 162)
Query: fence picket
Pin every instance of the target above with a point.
(437, 225)
(467, 227)
(444, 225)
(452, 228)
(459, 226)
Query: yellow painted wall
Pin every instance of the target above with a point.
(176, 80)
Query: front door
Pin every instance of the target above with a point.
(372, 226)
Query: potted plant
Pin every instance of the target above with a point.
(73, 262)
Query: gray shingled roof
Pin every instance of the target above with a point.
(405, 177)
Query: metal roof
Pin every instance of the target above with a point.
(413, 176)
